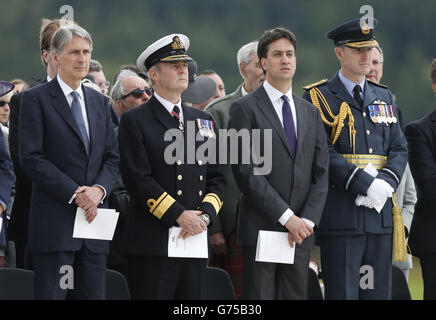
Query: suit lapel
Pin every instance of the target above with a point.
(266, 107)
(162, 114)
(61, 105)
(302, 122)
(92, 117)
(370, 95)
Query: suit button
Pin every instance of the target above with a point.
(200, 162)
(179, 163)
(179, 177)
(200, 193)
(368, 132)
(364, 114)
(370, 150)
(179, 193)
(201, 178)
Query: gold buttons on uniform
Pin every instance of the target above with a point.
(179, 193)
(370, 150)
(179, 177)
(200, 193)
(201, 178)
(200, 162)
(368, 132)
(364, 114)
(179, 163)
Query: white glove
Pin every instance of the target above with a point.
(379, 191)
(363, 201)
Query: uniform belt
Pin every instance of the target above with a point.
(361, 160)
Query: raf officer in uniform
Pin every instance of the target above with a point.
(164, 194)
(362, 123)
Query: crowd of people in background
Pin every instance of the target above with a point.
(319, 167)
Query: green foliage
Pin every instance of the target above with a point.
(217, 29)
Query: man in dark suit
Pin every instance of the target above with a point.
(6, 180)
(362, 124)
(291, 196)
(18, 227)
(421, 136)
(68, 148)
(163, 193)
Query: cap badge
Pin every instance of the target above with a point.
(365, 28)
(177, 44)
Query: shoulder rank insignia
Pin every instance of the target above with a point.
(205, 128)
(378, 84)
(310, 86)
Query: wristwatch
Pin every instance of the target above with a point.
(206, 218)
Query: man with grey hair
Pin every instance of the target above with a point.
(129, 91)
(68, 147)
(222, 237)
(96, 71)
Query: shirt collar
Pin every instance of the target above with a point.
(169, 106)
(349, 85)
(275, 94)
(66, 89)
(243, 91)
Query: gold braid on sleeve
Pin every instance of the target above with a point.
(338, 120)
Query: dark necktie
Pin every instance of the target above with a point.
(288, 125)
(357, 90)
(176, 115)
(77, 113)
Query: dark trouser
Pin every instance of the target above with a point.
(270, 281)
(163, 278)
(428, 266)
(23, 259)
(343, 258)
(55, 281)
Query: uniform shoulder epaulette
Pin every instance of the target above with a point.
(378, 84)
(310, 86)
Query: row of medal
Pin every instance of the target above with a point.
(382, 113)
(206, 128)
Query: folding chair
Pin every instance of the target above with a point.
(16, 284)
(217, 285)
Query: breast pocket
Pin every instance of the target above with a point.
(383, 135)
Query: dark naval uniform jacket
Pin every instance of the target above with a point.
(382, 144)
(159, 191)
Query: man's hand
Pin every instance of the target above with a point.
(191, 223)
(88, 198)
(379, 191)
(298, 230)
(218, 243)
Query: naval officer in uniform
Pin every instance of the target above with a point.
(361, 122)
(185, 193)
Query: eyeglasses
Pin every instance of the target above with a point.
(137, 93)
(3, 103)
(104, 85)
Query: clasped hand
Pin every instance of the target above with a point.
(378, 192)
(88, 198)
(298, 230)
(191, 223)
